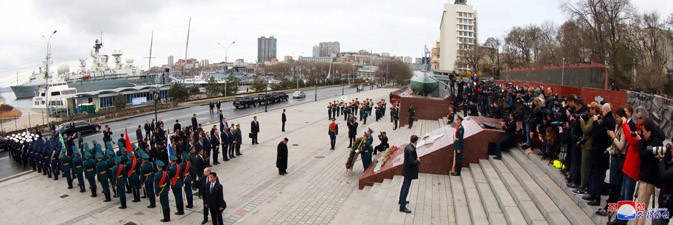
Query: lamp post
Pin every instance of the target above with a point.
(226, 50)
(266, 88)
(156, 101)
(46, 72)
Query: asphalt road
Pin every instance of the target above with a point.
(9, 168)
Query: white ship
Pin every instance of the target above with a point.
(57, 96)
(99, 76)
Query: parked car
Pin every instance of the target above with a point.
(78, 126)
(280, 96)
(265, 98)
(298, 94)
(3, 144)
(245, 102)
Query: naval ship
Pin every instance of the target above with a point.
(99, 76)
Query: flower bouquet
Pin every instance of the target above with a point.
(388, 154)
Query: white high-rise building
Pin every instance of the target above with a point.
(458, 31)
(316, 51)
(171, 62)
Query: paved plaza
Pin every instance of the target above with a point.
(312, 193)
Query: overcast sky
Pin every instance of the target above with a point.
(400, 27)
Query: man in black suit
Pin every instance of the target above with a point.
(147, 128)
(281, 159)
(254, 128)
(139, 134)
(194, 123)
(283, 119)
(410, 171)
(198, 164)
(215, 202)
(206, 148)
(177, 127)
(204, 188)
(352, 130)
(506, 141)
(224, 139)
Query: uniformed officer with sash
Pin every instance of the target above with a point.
(333, 131)
(147, 170)
(133, 166)
(119, 172)
(161, 179)
(102, 173)
(186, 167)
(458, 147)
(175, 173)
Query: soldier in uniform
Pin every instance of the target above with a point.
(102, 171)
(394, 116)
(110, 162)
(412, 115)
(90, 171)
(333, 131)
(367, 150)
(119, 171)
(77, 168)
(55, 167)
(347, 111)
(65, 161)
(132, 168)
(458, 147)
(147, 170)
(187, 170)
(161, 187)
(44, 159)
(175, 174)
(329, 110)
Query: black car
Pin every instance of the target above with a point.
(266, 98)
(3, 144)
(79, 126)
(280, 96)
(245, 102)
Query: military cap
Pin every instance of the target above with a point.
(75, 150)
(159, 163)
(129, 155)
(117, 159)
(370, 130)
(87, 154)
(185, 155)
(145, 156)
(99, 155)
(173, 158)
(109, 152)
(460, 115)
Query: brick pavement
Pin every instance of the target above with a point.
(252, 186)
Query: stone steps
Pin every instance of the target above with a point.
(555, 180)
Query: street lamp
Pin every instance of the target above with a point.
(226, 49)
(156, 101)
(266, 88)
(46, 72)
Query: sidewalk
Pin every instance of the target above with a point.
(314, 188)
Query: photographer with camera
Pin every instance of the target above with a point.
(586, 143)
(666, 178)
(575, 107)
(506, 141)
(649, 167)
(617, 151)
(604, 122)
(384, 143)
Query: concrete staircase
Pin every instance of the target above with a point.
(516, 190)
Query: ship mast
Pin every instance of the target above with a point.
(189, 25)
(149, 64)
